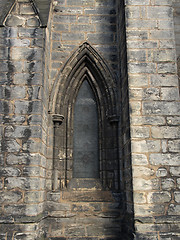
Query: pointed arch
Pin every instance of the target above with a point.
(84, 62)
(85, 65)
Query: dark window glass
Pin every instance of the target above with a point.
(85, 138)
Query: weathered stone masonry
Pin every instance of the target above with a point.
(129, 52)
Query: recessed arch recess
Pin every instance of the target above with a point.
(87, 64)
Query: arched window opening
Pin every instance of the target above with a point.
(86, 143)
(85, 134)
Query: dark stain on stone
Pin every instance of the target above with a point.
(31, 56)
(4, 145)
(27, 133)
(7, 93)
(30, 107)
(10, 66)
(6, 107)
(29, 120)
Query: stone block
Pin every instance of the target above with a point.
(145, 185)
(33, 22)
(136, 35)
(61, 27)
(80, 3)
(145, 146)
(31, 32)
(177, 197)
(15, 21)
(7, 197)
(142, 172)
(9, 172)
(100, 38)
(103, 19)
(149, 210)
(136, 55)
(159, 197)
(174, 120)
(161, 34)
(141, 67)
(166, 24)
(164, 12)
(164, 80)
(167, 68)
(23, 159)
(169, 94)
(142, 44)
(132, 12)
(10, 145)
(34, 197)
(148, 120)
(139, 159)
(139, 197)
(30, 78)
(139, 80)
(175, 171)
(137, 2)
(140, 132)
(160, 108)
(167, 43)
(23, 132)
(33, 172)
(173, 209)
(168, 184)
(26, 53)
(53, 196)
(164, 159)
(164, 55)
(24, 183)
(161, 172)
(165, 132)
(64, 19)
(26, 9)
(19, 42)
(82, 28)
(28, 107)
(135, 107)
(83, 19)
(141, 24)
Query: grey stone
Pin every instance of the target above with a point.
(175, 171)
(9, 172)
(159, 197)
(168, 184)
(15, 21)
(164, 159)
(161, 172)
(160, 108)
(10, 197)
(165, 132)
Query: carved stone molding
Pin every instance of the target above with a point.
(57, 118)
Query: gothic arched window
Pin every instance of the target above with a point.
(86, 144)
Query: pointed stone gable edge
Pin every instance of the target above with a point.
(5, 7)
(41, 6)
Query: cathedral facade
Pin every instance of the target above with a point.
(89, 119)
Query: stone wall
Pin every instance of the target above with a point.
(176, 14)
(72, 24)
(22, 159)
(133, 41)
(154, 114)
